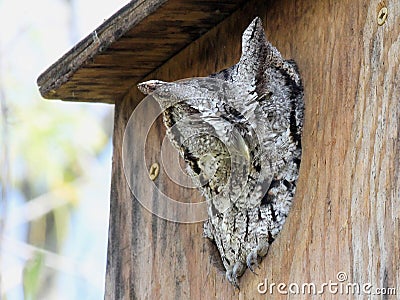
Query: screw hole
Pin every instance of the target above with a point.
(154, 171)
(382, 15)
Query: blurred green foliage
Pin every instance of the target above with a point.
(53, 144)
(32, 276)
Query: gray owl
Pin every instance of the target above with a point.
(239, 132)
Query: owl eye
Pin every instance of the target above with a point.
(264, 97)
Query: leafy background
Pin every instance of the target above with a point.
(55, 158)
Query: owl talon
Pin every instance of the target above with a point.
(237, 271)
(252, 261)
(232, 279)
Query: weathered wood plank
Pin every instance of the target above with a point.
(346, 215)
(150, 32)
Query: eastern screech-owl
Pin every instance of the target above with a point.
(239, 132)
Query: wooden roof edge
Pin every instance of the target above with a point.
(96, 42)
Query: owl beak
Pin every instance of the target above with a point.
(150, 86)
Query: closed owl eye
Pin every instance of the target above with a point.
(265, 97)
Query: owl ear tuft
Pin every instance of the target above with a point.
(254, 41)
(150, 86)
(257, 52)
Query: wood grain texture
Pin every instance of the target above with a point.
(346, 214)
(131, 44)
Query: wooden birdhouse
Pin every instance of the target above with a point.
(344, 225)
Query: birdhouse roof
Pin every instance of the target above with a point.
(132, 43)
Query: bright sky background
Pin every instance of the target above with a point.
(33, 35)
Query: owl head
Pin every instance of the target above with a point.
(209, 132)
